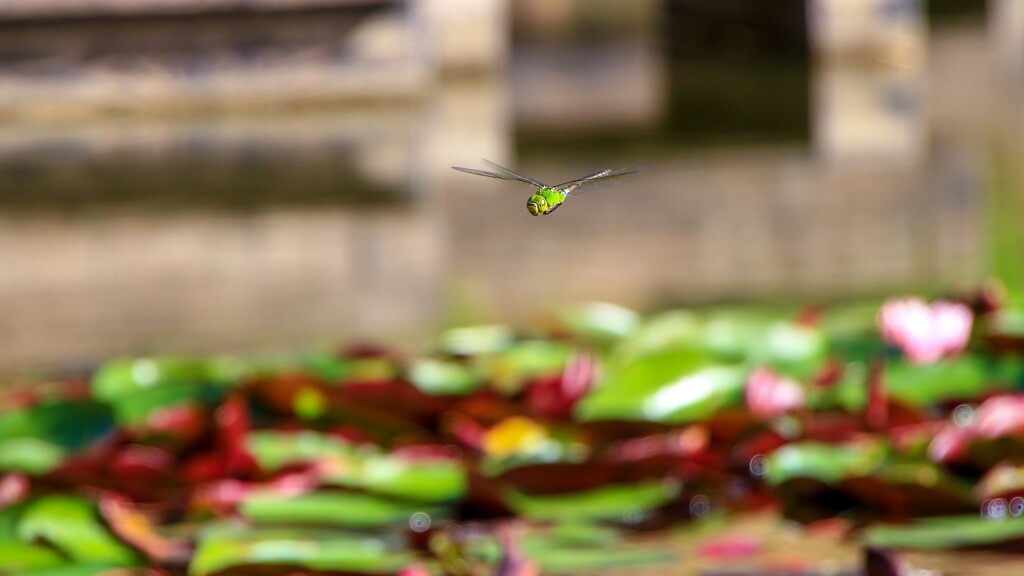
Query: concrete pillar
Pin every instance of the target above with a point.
(1006, 22)
(465, 35)
(869, 79)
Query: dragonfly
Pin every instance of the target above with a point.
(546, 199)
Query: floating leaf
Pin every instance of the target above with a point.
(275, 450)
(330, 509)
(608, 503)
(221, 548)
(434, 376)
(119, 378)
(477, 340)
(675, 330)
(631, 392)
(72, 525)
(825, 462)
(600, 320)
(929, 384)
(20, 557)
(946, 532)
(523, 361)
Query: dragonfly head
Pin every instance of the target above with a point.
(537, 204)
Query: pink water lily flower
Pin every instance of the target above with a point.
(925, 332)
(770, 395)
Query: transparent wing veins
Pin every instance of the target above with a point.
(510, 178)
(521, 178)
(596, 176)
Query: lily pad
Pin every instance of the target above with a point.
(119, 378)
(37, 440)
(600, 320)
(825, 462)
(73, 526)
(21, 557)
(968, 531)
(615, 503)
(221, 548)
(325, 508)
(920, 385)
(434, 376)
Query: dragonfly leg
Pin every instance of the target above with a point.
(553, 208)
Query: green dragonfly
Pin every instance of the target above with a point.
(546, 199)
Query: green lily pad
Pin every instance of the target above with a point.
(37, 440)
(671, 387)
(364, 468)
(222, 548)
(119, 378)
(342, 509)
(418, 481)
(90, 569)
(947, 532)
(524, 360)
(928, 384)
(607, 503)
(600, 320)
(21, 557)
(433, 376)
(275, 450)
(477, 340)
(30, 455)
(73, 526)
(828, 463)
(674, 330)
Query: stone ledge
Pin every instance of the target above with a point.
(30, 10)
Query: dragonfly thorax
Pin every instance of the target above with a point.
(545, 200)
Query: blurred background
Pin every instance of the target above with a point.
(216, 176)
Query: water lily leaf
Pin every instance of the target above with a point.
(69, 424)
(275, 450)
(134, 410)
(629, 392)
(37, 440)
(557, 555)
(434, 376)
(793, 346)
(967, 531)
(674, 330)
(753, 338)
(343, 509)
(92, 569)
(477, 340)
(328, 367)
(524, 360)
(21, 557)
(828, 463)
(420, 481)
(696, 396)
(118, 378)
(919, 385)
(600, 320)
(222, 548)
(30, 455)
(614, 503)
(73, 526)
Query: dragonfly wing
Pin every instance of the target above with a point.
(517, 176)
(510, 178)
(596, 176)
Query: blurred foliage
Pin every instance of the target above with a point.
(367, 460)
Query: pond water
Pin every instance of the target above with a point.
(768, 179)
